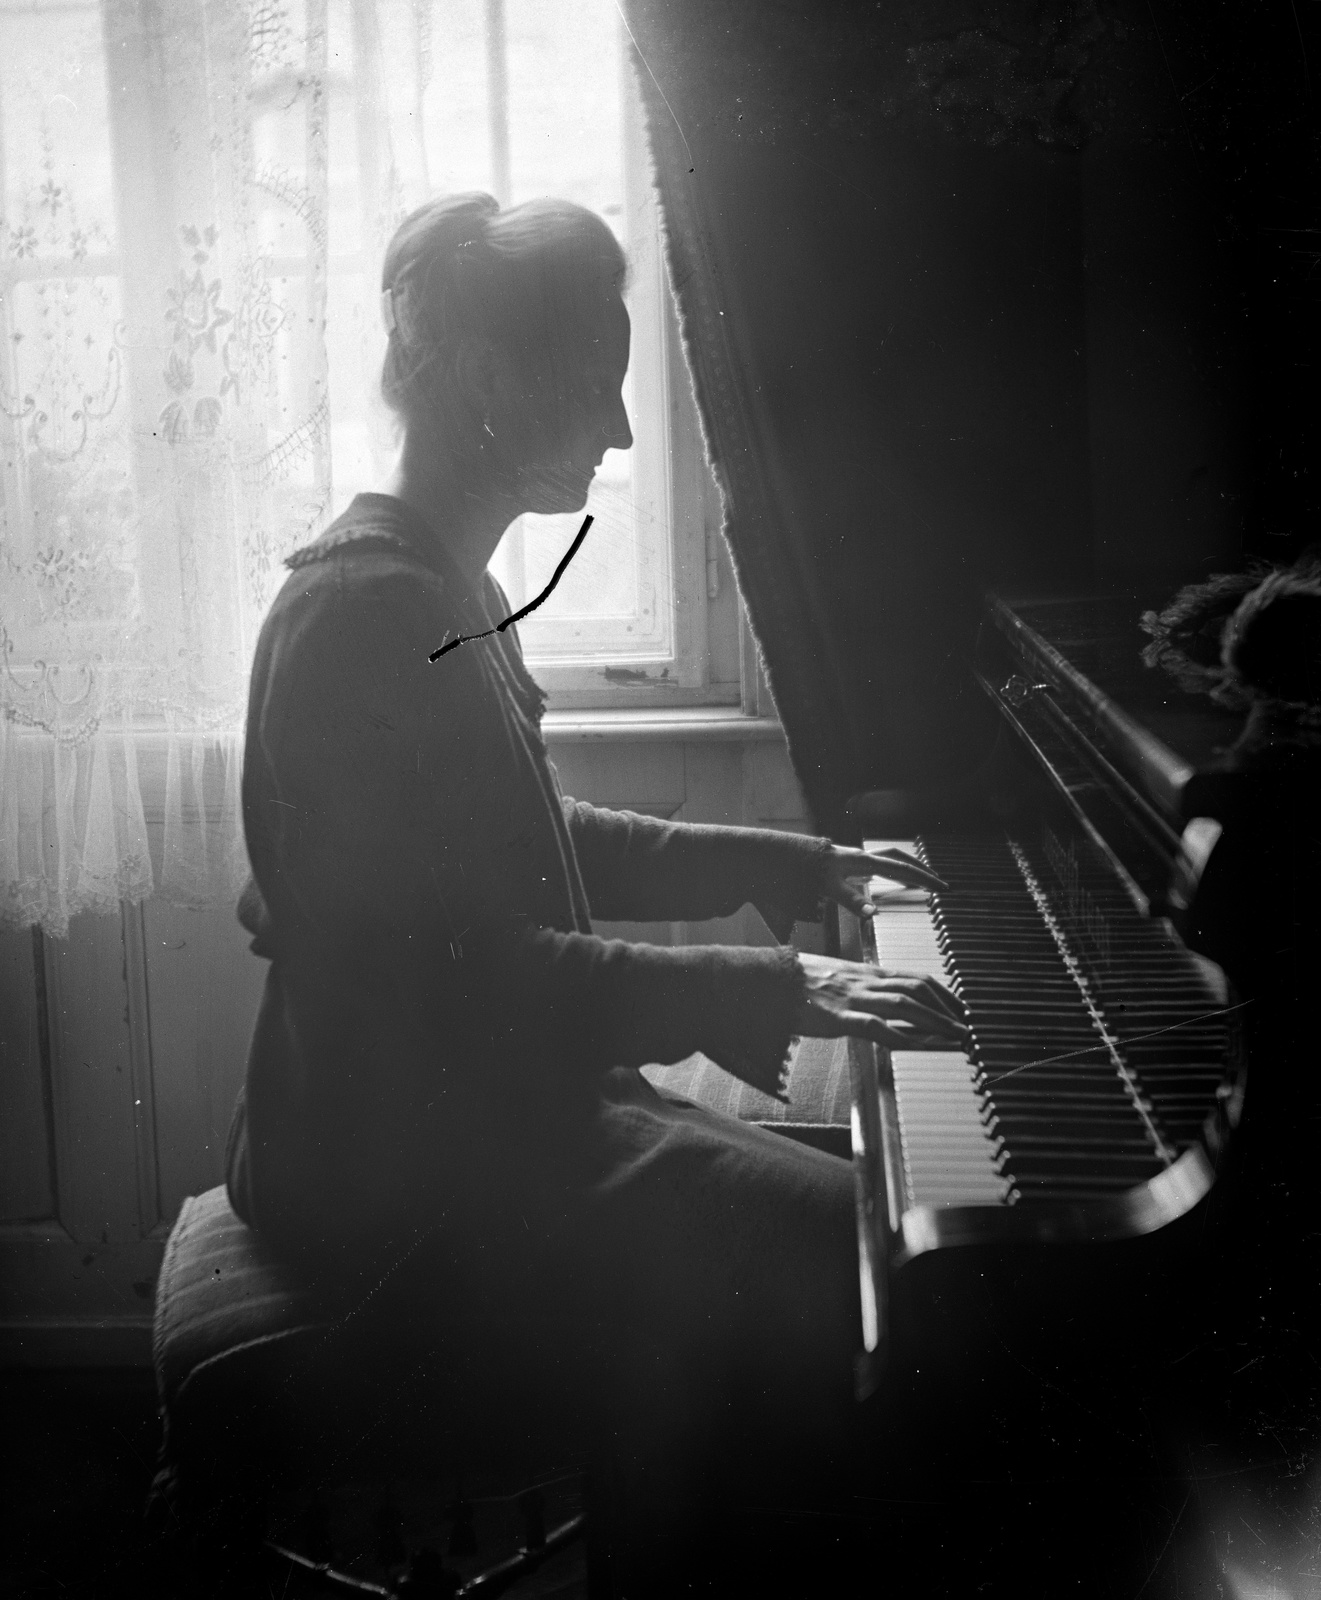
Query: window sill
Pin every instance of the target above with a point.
(686, 725)
(658, 724)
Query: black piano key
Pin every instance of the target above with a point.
(1007, 1098)
(1059, 1119)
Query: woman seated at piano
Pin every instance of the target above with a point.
(445, 1063)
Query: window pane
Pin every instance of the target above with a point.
(565, 115)
(66, 497)
(53, 96)
(566, 137)
(457, 139)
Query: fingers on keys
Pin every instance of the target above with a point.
(913, 1005)
(900, 867)
(930, 990)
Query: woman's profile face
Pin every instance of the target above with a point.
(567, 409)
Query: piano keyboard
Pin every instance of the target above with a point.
(1097, 1048)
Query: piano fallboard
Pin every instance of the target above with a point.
(1135, 757)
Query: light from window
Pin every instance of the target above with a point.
(519, 99)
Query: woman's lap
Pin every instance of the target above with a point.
(722, 1228)
(734, 1249)
(727, 1251)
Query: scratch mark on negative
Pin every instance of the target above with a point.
(467, 638)
(627, 29)
(1127, 1039)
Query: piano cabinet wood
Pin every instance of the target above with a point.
(1132, 911)
(1197, 824)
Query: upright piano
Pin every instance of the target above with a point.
(1106, 1076)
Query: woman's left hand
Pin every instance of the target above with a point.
(847, 872)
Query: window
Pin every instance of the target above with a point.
(521, 99)
(194, 203)
(64, 451)
(512, 96)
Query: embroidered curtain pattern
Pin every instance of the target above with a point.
(166, 437)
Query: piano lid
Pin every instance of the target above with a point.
(1089, 650)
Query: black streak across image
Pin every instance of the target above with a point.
(517, 616)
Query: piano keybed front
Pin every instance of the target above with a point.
(1098, 1043)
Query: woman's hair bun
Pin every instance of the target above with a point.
(461, 266)
(421, 242)
(453, 220)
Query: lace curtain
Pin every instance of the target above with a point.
(176, 183)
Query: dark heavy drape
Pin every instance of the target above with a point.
(971, 295)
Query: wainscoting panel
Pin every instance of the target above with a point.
(77, 1286)
(26, 1189)
(644, 777)
(92, 1082)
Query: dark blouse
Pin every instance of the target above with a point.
(423, 892)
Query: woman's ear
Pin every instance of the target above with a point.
(484, 377)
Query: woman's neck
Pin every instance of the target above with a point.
(462, 504)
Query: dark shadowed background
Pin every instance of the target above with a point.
(982, 294)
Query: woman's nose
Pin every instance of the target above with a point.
(619, 436)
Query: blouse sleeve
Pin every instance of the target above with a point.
(396, 831)
(640, 868)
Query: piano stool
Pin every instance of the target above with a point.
(294, 1422)
(289, 1414)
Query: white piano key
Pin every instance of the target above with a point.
(930, 1123)
(951, 1155)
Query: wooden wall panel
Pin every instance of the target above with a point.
(772, 797)
(626, 776)
(63, 1302)
(204, 985)
(713, 785)
(92, 1087)
(26, 1190)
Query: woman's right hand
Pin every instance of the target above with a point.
(899, 1010)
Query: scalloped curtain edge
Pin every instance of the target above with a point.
(83, 828)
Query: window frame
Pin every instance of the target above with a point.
(704, 663)
(673, 484)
